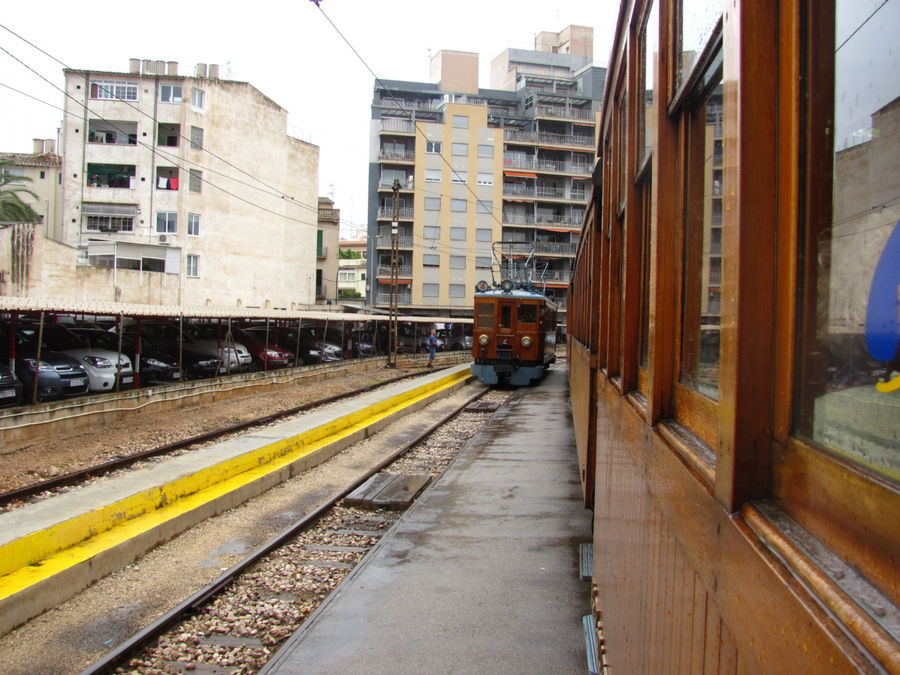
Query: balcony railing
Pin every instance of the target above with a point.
(555, 275)
(532, 220)
(403, 213)
(530, 163)
(397, 126)
(385, 299)
(388, 183)
(518, 219)
(519, 136)
(329, 214)
(542, 192)
(402, 270)
(402, 242)
(399, 104)
(563, 113)
(322, 252)
(396, 156)
(566, 139)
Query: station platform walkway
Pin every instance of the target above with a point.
(51, 549)
(481, 574)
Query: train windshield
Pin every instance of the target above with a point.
(527, 314)
(505, 318)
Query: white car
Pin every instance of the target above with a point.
(90, 346)
(206, 338)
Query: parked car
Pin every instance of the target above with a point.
(212, 339)
(308, 353)
(91, 347)
(10, 387)
(201, 358)
(266, 352)
(153, 365)
(58, 375)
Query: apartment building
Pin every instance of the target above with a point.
(184, 190)
(478, 180)
(327, 238)
(40, 174)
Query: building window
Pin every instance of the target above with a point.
(431, 260)
(16, 175)
(483, 262)
(198, 98)
(109, 224)
(460, 149)
(458, 205)
(197, 138)
(483, 234)
(457, 262)
(196, 180)
(193, 265)
(111, 90)
(430, 290)
(433, 175)
(460, 122)
(110, 175)
(433, 147)
(485, 179)
(458, 233)
(431, 232)
(432, 203)
(167, 222)
(485, 150)
(459, 176)
(457, 290)
(485, 206)
(193, 224)
(347, 275)
(170, 93)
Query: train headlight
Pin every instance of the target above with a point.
(526, 342)
(483, 340)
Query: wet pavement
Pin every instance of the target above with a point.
(481, 574)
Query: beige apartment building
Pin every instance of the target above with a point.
(180, 190)
(40, 172)
(327, 239)
(483, 177)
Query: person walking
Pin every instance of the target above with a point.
(432, 347)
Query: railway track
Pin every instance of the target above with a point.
(56, 483)
(237, 621)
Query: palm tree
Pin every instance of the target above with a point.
(12, 208)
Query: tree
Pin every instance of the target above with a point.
(12, 208)
(348, 253)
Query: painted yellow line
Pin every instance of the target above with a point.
(888, 387)
(42, 554)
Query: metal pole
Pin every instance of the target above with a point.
(395, 246)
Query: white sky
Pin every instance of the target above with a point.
(287, 50)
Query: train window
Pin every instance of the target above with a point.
(484, 314)
(505, 316)
(649, 51)
(701, 282)
(527, 314)
(850, 384)
(697, 22)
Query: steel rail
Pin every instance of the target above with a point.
(75, 477)
(193, 604)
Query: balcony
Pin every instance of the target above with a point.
(392, 125)
(514, 136)
(566, 139)
(403, 241)
(111, 175)
(385, 299)
(545, 165)
(530, 220)
(561, 112)
(406, 184)
(540, 248)
(403, 213)
(396, 156)
(402, 270)
(560, 276)
(517, 190)
(321, 252)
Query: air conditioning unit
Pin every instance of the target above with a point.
(164, 239)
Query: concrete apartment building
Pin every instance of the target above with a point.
(40, 172)
(475, 166)
(179, 190)
(327, 238)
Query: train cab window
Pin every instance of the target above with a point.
(527, 314)
(505, 318)
(484, 314)
(849, 394)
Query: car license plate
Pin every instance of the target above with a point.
(77, 382)
(175, 375)
(7, 393)
(128, 379)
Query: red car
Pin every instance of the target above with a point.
(265, 356)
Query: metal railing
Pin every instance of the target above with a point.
(402, 270)
(563, 112)
(566, 139)
(397, 125)
(404, 212)
(402, 241)
(396, 156)
(520, 136)
(322, 252)
(533, 164)
(385, 299)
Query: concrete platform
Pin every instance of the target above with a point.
(481, 574)
(53, 548)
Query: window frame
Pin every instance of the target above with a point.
(192, 265)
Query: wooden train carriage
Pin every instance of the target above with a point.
(733, 339)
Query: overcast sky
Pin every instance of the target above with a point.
(287, 50)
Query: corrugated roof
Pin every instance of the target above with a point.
(98, 308)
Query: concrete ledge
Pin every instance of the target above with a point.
(50, 564)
